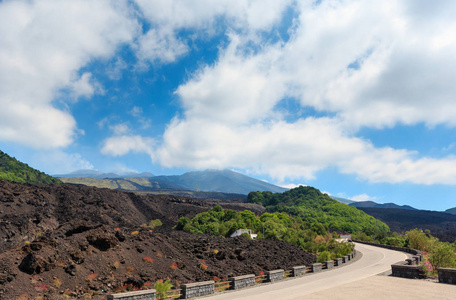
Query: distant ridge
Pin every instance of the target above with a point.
(372, 204)
(451, 211)
(224, 181)
(87, 173)
(13, 170)
(342, 200)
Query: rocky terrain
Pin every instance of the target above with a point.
(64, 241)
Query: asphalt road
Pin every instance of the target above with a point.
(357, 280)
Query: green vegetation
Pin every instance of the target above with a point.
(13, 170)
(155, 223)
(280, 226)
(319, 210)
(437, 254)
(162, 288)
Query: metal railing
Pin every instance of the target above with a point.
(220, 286)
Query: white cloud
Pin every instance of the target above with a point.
(357, 64)
(167, 18)
(43, 45)
(120, 129)
(121, 145)
(362, 197)
(59, 162)
(364, 64)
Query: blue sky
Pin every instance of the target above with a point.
(353, 97)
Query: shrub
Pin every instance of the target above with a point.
(162, 288)
(246, 235)
(116, 264)
(203, 266)
(323, 256)
(417, 239)
(22, 297)
(443, 256)
(41, 287)
(92, 276)
(159, 254)
(146, 285)
(173, 266)
(57, 282)
(136, 232)
(155, 223)
(130, 269)
(148, 259)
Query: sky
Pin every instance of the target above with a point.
(355, 98)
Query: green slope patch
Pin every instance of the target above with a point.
(319, 209)
(13, 170)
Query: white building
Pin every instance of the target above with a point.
(241, 231)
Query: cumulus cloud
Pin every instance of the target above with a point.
(162, 42)
(43, 46)
(121, 145)
(59, 162)
(120, 129)
(356, 64)
(362, 197)
(361, 64)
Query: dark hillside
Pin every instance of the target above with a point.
(380, 205)
(73, 241)
(442, 225)
(13, 170)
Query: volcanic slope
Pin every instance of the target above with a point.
(67, 240)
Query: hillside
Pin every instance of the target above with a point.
(13, 170)
(132, 184)
(222, 181)
(442, 225)
(373, 204)
(318, 209)
(451, 211)
(75, 241)
(225, 181)
(100, 175)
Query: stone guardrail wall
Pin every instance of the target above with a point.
(298, 271)
(329, 264)
(191, 290)
(239, 282)
(447, 275)
(198, 289)
(136, 295)
(404, 270)
(275, 275)
(317, 267)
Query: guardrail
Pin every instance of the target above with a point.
(408, 268)
(198, 289)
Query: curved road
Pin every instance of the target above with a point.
(356, 280)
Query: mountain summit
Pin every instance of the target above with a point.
(225, 181)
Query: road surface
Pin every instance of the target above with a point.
(357, 280)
